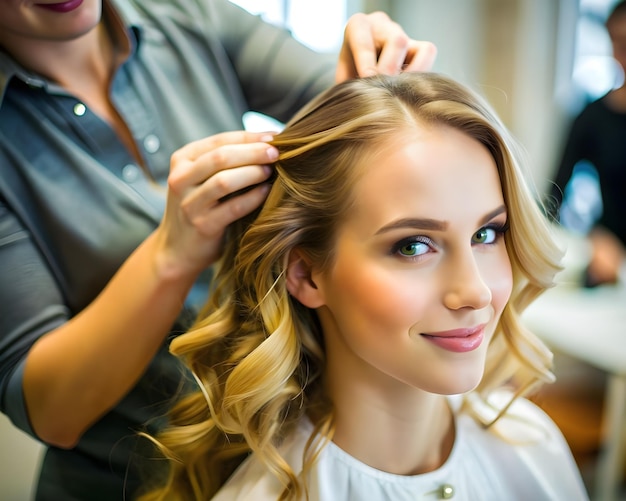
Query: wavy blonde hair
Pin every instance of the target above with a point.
(257, 353)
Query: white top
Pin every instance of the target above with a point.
(535, 464)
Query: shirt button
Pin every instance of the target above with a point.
(79, 109)
(151, 143)
(130, 173)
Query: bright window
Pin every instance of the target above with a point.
(317, 24)
(595, 72)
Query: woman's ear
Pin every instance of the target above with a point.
(300, 283)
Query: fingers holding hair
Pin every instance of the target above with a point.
(213, 182)
(374, 44)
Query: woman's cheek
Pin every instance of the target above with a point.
(383, 295)
(500, 282)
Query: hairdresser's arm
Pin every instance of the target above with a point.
(77, 372)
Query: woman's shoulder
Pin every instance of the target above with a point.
(514, 420)
(524, 440)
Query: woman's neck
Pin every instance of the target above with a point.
(87, 59)
(404, 431)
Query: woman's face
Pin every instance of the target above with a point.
(46, 20)
(421, 274)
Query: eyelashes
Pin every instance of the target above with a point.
(500, 228)
(416, 246)
(412, 246)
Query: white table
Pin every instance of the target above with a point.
(590, 324)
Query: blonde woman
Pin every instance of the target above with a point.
(363, 341)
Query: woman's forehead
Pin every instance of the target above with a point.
(440, 174)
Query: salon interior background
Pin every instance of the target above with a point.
(537, 61)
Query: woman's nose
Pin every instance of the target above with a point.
(466, 287)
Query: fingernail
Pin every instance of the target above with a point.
(272, 153)
(266, 138)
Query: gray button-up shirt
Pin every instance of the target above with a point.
(74, 204)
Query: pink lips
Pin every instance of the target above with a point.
(458, 340)
(67, 6)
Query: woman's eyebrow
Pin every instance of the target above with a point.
(416, 223)
(433, 224)
(490, 215)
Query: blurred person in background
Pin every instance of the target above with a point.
(596, 140)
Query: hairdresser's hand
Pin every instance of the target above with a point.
(202, 174)
(374, 44)
(607, 257)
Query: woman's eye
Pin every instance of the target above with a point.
(412, 249)
(485, 236)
